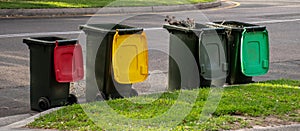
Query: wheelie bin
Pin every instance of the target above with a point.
(116, 58)
(248, 50)
(54, 63)
(208, 46)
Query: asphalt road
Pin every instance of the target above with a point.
(282, 19)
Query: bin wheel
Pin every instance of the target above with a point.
(204, 82)
(240, 80)
(231, 82)
(72, 99)
(218, 82)
(133, 93)
(101, 96)
(44, 103)
(212, 83)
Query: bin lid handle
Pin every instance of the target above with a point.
(66, 42)
(255, 28)
(130, 31)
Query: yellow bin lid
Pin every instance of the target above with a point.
(130, 58)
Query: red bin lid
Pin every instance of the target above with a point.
(68, 63)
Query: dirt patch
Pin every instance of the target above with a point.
(269, 121)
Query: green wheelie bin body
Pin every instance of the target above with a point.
(100, 83)
(208, 47)
(45, 91)
(248, 50)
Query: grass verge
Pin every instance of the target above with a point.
(33, 4)
(266, 103)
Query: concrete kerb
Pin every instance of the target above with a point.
(23, 123)
(12, 119)
(107, 10)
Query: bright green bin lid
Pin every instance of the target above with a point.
(255, 52)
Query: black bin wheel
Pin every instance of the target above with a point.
(204, 82)
(72, 99)
(101, 96)
(133, 93)
(44, 103)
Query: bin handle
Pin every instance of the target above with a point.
(130, 31)
(255, 28)
(91, 27)
(66, 42)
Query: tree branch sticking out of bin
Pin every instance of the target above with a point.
(189, 23)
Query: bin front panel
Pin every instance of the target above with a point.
(212, 56)
(183, 70)
(130, 58)
(96, 60)
(68, 63)
(254, 53)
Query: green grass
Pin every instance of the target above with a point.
(240, 107)
(33, 4)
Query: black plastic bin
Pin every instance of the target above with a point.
(208, 46)
(100, 83)
(45, 91)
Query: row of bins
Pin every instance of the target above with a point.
(117, 57)
(227, 51)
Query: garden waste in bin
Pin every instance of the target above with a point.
(208, 46)
(248, 50)
(54, 63)
(117, 57)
